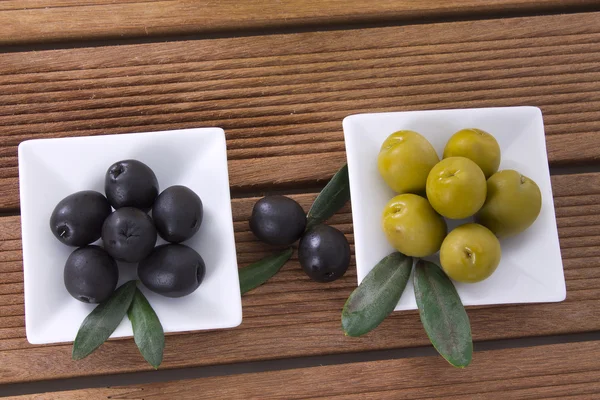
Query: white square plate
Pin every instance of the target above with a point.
(531, 268)
(51, 169)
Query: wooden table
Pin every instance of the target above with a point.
(279, 77)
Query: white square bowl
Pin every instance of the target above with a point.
(51, 169)
(531, 268)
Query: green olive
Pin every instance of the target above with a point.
(470, 253)
(476, 145)
(412, 227)
(456, 187)
(405, 160)
(513, 203)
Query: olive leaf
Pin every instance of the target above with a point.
(261, 271)
(377, 295)
(102, 321)
(147, 331)
(333, 197)
(443, 314)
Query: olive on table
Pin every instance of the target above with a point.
(324, 253)
(177, 214)
(129, 234)
(172, 270)
(277, 220)
(131, 183)
(91, 274)
(77, 219)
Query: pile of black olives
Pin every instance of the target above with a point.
(129, 234)
(323, 252)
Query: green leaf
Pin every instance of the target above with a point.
(102, 321)
(443, 314)
(377, 295)
(147, 331)
(261, 271)
(333, 197)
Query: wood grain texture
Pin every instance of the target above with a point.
(292, 316)
(34, 21)
(553, 371)
(281, 98)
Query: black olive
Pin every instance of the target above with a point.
(324, 253)
(177, 214)
(131, 183)
(277, 220)
(172, 270)
(129, 234)
(77, 219)
(91, 274)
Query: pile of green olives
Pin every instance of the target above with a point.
(323, 251)
(129, 234)
(465, 183)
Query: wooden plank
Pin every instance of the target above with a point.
(33, 21)
(281, 98)
(292, 316)
(550, 371)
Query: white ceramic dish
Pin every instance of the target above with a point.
(51, 169)
(531, 268)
